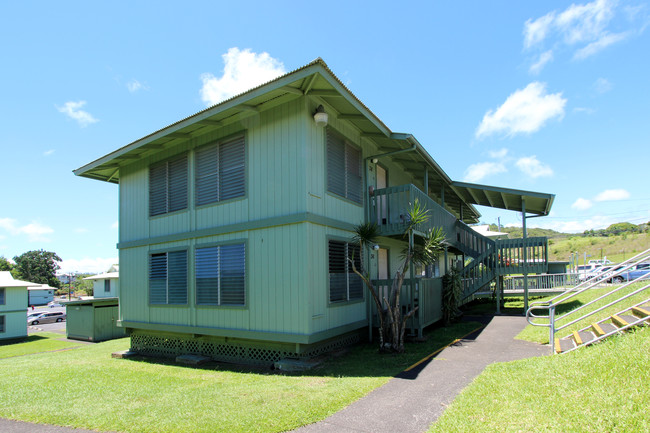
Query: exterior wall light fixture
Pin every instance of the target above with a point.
(320, 116)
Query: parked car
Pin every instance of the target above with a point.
(642, 270)
(53, 304)
(30, 315)
(47, 317)
(586, 272)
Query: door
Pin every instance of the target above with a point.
(382, 273)
(381, 182)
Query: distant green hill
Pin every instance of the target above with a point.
(617, 242)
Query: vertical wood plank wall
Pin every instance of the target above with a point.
(287, 265)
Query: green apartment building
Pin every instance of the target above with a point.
(235, 223)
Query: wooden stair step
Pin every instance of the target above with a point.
(564, 344)
(641, 311)
(601, 329)
(586, 336)
(623, 319)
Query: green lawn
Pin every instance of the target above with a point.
(35, 343)
(602, 388)
(94, 391)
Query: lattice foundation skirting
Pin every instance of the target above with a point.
(240, 352)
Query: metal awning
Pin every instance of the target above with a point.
(537, 203)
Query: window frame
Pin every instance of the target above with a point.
(3, 296)
(107, 285)
(168, 186)
(218, 144)
(348, 146)
(167, 278)
(220, 304)
(348, 273)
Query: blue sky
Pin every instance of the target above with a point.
(543, 96)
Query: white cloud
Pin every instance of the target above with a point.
(115, 225)
(134, 85)
(580, 23)
(87, 265)
(34, 231)
(532, 167)
(599, 45)
(575, 226)
(243, 70)
(536, 31)
(73, 110)
(612, 195)
(476, 172)
(48, 152)
(544, 58)
(602, 85)
(525, 111)
(582, 204)
(583, 27)
(81, 230)
(498, 154)
(585, 110)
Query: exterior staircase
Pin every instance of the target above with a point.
(494, 258)
(599, 324)
(633, 316)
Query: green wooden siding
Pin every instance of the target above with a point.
(14, 310)
(286, 263)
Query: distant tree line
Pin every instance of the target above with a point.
(38, 266)
(619, 229)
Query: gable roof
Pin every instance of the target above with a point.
(7, 280)
(315, 80)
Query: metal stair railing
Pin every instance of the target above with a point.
(551, 304)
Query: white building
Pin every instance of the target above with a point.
(106, 285)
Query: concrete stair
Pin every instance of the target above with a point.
(597, 331)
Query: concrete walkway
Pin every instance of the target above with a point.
(412, 401)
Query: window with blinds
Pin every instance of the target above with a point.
(2, 296)
(343, 168)
(168, 278)
(221, 275)
(344, 284)
(2, 323)
(168, 186)
(220, 171)
(107, 286)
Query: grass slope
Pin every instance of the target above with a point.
(615, 248)
(602, 388)
(35, 343)
(94, 391)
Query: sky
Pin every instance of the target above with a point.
(541, 96)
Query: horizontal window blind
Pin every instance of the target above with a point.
(344, 284)
(168, 278)
(168, 186)
(344, 171)
(221, 171)
(221, 275)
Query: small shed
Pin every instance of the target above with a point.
(40, 294)
(93, 320)
(557, 267)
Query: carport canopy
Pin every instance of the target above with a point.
(536, 203)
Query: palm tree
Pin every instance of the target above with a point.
(392, 323)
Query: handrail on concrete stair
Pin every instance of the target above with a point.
(551, 305)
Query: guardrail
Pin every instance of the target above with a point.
(552, 304)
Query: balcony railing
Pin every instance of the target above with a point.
(389, 209)
(425, 293)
